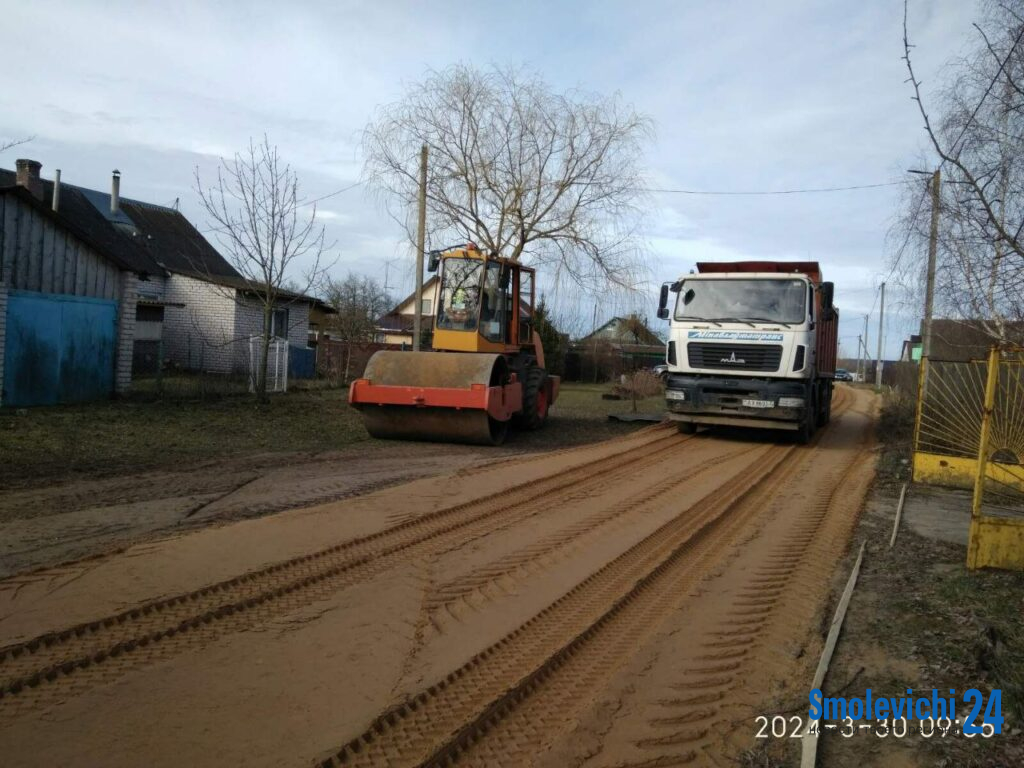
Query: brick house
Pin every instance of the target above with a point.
(191, 308)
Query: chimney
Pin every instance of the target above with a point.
(56, 190)
(115, 192)
(28, 177)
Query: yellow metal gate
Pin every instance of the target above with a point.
(948, 425)
(997, 513)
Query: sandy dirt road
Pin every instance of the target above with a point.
(629, 603)
(72, 519)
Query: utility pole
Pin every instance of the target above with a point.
(881, 320)
(867, 355)
(860, 354)
(421, 245)
(933, 245)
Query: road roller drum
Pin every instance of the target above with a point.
(438, 396)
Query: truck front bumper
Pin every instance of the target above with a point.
(766, 403)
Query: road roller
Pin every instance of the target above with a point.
(485, 371)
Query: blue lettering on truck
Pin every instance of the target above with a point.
(734, 335)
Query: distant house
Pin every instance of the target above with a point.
(625, 334)
(397, 325)
(911, 351)
(178, 299)
(620, 345)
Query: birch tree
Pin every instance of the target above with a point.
(975, 125)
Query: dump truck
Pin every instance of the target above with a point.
(751, 344)
(485, 371)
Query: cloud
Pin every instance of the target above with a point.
(800, 94)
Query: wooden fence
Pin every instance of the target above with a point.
(342, 361)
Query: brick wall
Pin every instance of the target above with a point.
(200, 334)
(125, 332)
(210, 330)
(3, 335)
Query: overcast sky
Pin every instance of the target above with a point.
(744, 96)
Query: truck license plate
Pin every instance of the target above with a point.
(759, 403)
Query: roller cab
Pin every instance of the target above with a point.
(487, 368)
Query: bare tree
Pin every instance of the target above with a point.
(522, 171)
(359, 302)
(6, 144)
(263, 231)
(978, 134)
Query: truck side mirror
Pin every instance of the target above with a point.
(663, 302)
(434, 259)
(827, 294)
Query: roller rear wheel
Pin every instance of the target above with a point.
(535, 399)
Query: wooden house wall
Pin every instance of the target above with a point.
(38, 255)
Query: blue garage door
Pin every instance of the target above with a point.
(59, 349)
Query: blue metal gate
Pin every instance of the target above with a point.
(59, 349)
(301, 362)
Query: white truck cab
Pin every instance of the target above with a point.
(750, 344)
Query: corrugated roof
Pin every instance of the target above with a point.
(101, 202)
(171, 240)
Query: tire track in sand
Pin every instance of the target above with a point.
(34, 671)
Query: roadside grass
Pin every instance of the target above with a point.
(920, 620)
(895, 432)
(114, 437)
(920, 605)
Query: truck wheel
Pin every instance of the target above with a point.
(686, 427)
(808, 423)
(535, 399)
(824, 404)
(806, 430)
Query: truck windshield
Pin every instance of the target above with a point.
(759, 300)
(460, 294)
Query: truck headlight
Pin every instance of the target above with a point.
(791, 402)
(674, 394)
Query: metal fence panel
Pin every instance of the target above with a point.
(997, 513)
(948, 424)
(58, 348)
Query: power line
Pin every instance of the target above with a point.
(812, 190)
(658, 190)
(335, 192)
(302, 202)
(906, 240)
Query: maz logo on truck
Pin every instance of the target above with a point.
(733, 359)
(734, 335)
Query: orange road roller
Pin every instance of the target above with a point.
(486, 371)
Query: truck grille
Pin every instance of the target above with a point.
(734, 357)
